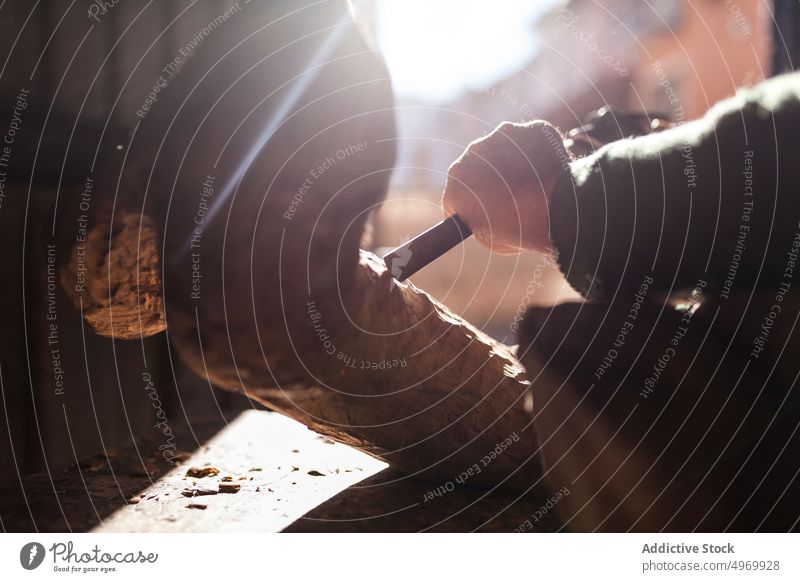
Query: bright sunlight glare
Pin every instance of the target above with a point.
(436, 49)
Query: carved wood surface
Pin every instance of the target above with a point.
(249, 188)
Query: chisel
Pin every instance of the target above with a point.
(425, 248)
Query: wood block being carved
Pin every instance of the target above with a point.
(250, 185)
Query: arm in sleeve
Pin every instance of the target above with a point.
(714, 200)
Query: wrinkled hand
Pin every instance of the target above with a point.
(502, 183)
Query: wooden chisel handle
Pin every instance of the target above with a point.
(424, 248)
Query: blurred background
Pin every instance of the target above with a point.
(459, 68)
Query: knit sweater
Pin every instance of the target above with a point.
(714, 200)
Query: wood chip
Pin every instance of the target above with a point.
(315, 473)
(227, 478)
(229, 487)
(197, 506)
(134, 500)
(200, 472)
(198, 492)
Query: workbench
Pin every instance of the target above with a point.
(284, 477)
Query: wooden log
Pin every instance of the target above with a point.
(250, 185)
(417, 386)
(114, 278)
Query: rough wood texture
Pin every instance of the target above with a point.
(418, 386)
(114, 278)
(259, 190)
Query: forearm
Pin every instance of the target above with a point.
(695, 202)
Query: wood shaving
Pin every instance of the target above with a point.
(229, 487)
(200, 472)
(198, 492)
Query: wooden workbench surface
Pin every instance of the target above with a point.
(288, 478)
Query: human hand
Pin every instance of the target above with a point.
(501, 185)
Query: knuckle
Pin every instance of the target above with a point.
(506, 126)
(456, 167)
